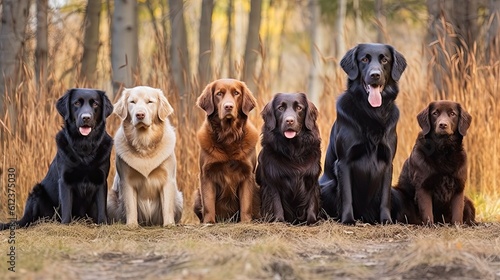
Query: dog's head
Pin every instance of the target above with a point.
(291, 113)
(228, 98)
(444, 118)
(374, 65)
(142, 106)
(84, 109)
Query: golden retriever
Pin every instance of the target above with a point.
(145, 188)
(227, 156)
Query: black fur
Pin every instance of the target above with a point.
(75, 185)
(357, 175)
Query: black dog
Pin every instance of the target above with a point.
(432, 181)
(356, 184)
(76, 180)
(289, 162)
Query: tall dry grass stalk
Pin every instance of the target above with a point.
(29, 144)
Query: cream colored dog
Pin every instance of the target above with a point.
(145, 188)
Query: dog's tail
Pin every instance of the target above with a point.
(37, 206)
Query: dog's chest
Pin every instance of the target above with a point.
(443, 187)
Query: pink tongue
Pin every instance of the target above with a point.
(290, 134)
(85, 130)
(375, 98)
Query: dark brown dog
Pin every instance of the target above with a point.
(432, 181)
(289, 162)
(227, 156)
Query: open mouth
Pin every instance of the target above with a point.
(85, 130)
(374, 94)
(290, 133)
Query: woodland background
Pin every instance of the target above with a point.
(46, 47)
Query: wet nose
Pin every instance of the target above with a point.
(375, 74)
(228, 106)
(140, 115)
(86, 117)
(443, 125)
(290, 120)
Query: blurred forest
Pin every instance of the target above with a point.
(110, 44)
(48, 46)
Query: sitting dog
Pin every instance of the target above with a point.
(432, 181)
(227, 142)
(289, 162)
(145, 186)
(356, 183)
(75, 185)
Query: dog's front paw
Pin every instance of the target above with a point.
(385, 217)
(348, 218)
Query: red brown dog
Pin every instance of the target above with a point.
(227, 156)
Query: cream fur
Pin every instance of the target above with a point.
(145, 188)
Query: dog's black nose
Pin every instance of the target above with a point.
(375, 74)
(140, 115)
(86, 117)
(289, 120)
(443, 125)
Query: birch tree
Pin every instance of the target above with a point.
(124, 44)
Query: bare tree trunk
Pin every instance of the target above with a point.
(124, 44)
(205, 54)
(91, 42)
(41, 51)
(380, 20)
(179, 60)
(493, 35)
(357, 17)
(252, 45)
(315, 70)
(14, 19)
(340, 30)
(229, 42)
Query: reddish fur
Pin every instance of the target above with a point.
(227, 155)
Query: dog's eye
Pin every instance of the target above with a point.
(364, 59)
(95, 105)
(453, 114)
(435, 113)
(384, 60)
(236, 92)
(218, 93)
(151, 101)
(77, 103)
(132, 101)
(299, 108)
(281, 108)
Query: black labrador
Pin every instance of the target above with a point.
(76, 184)
(356, 184)
(290, 160)
(432, 181)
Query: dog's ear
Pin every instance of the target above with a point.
(121, 107)
(424, 119)
(350, 64)
(205, 100)
(165, 108)
(248, 102)
(63, 106)
(268, 115)
(464, 121)
(398, 64)
(107, 106)
(311, 114)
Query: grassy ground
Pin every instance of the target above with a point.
(255, 251)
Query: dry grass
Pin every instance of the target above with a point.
(256, 251)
